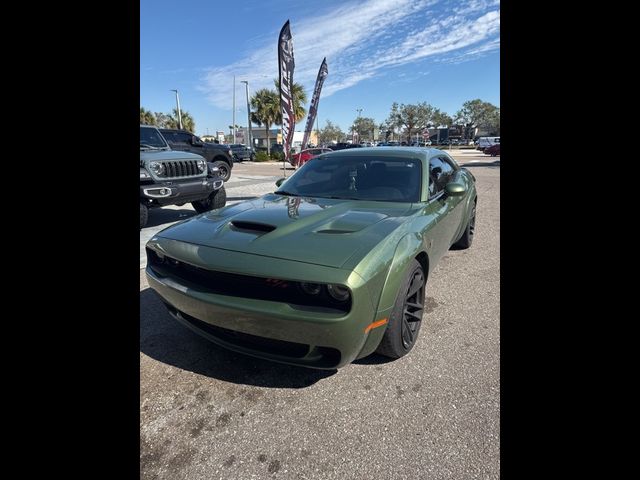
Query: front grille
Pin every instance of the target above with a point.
(247, 286)
(180, 168)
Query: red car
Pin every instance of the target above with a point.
(493, 150)
(304, 156)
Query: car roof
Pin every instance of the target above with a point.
(173, 130)
(388, 151)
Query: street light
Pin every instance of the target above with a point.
(179, 113)
(246, 83)
(234, 109)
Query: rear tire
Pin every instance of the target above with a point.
(406, 317)
(467, 236)
(144, 215)
(217, 199)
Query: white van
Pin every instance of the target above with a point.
(484, 142)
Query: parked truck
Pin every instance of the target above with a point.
(174, 177)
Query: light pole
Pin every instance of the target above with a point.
(179, 113)
(246, 83)
(234, 109)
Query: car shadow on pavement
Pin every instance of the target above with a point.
(160, 216)
(374, 359)
(165, 340)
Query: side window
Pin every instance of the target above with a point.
(440, 172)
(183, 138)
(169, 137)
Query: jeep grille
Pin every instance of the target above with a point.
(180, 168)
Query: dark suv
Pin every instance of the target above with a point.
(220, 155)
(175, 178)
(241, 152)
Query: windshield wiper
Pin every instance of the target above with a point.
(344, 198)
(289, 194)
(144, 145)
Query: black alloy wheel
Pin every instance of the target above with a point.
(405, 320)
(413, 309)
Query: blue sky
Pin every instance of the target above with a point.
(378, 51)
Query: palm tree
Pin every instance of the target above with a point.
(265, 104)
(188, 123)
(147, 117)
(299, 100)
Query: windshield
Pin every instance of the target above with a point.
(387, 179)
(150, 137)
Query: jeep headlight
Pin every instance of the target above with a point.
(202, 164)
(156, 167)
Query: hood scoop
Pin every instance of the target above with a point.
(251, 226)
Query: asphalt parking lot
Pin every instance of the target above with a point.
(207, 413)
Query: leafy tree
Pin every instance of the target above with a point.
(187, 120)
(330, 133)
(411, 117)
(478, 114)
(364, 127)
(265, 105)
(385, 131)
(147, 117)
(441, 118)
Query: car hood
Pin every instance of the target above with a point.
(161, 155)
(313, 230)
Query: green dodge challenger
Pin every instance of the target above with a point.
(329, 268)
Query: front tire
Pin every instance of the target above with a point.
(224, 171)
(217, 199)
(144, 215)
(406, 317)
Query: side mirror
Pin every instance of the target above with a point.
(280, 181)
(454, 189)
(195, 141)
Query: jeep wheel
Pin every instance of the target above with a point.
(217, 199)
(223, 170)
(252, 157)
(144, 215)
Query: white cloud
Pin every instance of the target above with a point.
(362, 40)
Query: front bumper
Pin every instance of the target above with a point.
(170, 193)
(266, 329)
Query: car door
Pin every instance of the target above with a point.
(447, 209)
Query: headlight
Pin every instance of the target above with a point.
(156, 167)
(231, 153)
(338, 292)
(144, 174)
(310, 288)
(202, 164)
